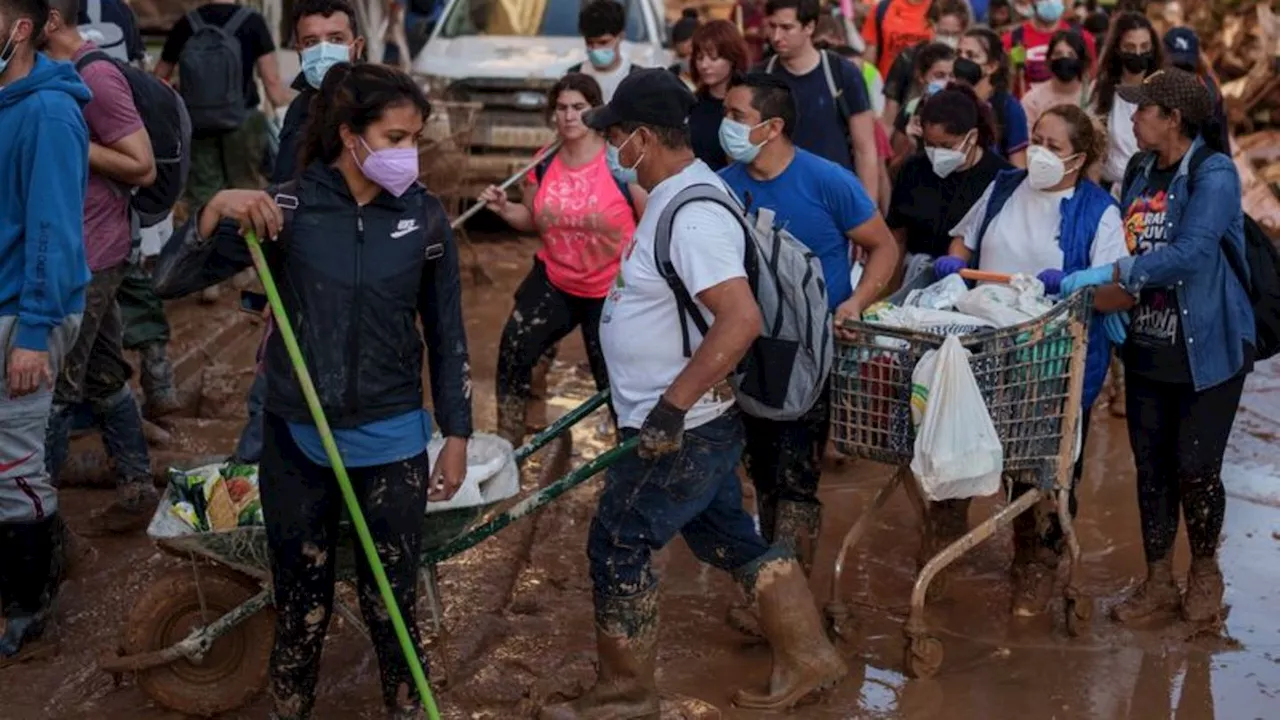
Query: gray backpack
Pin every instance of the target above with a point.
(785, 371)
(210, 73)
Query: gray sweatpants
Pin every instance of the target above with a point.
(26, 493)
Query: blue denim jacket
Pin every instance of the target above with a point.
(1217, 318)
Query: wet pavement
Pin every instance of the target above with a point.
(518, 606)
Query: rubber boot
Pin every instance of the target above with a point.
(511, 423)
(126, 445)
(627, 644)
(1203, 601)
(32, 572)
(804, 660)
(1035, 566)
(1157, 597)
(156, 379)
(796, 527)
(1119, 403)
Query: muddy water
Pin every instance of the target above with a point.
(517, 607)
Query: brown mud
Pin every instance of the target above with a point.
(518, 607)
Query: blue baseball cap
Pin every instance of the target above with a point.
(1182, 46)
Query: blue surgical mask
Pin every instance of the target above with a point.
(1049, 10)
(934, 87)
(613, 157)
(6, 53)
(317, 59)
(735, 139)
(602, 57)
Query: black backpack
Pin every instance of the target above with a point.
(1258, 271)
(211, 75)
(165, 118)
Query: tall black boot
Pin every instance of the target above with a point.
(33, 569)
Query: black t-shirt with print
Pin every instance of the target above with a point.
(255, 41)
(927, 207)
(1156, 348)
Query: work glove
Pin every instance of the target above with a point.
(662, 431)
(947, 265)
(1086, 278)
(1052, 280)
(1116, 326)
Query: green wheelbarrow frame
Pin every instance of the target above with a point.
(446, 534)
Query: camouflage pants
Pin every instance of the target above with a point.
(140, 310)
(302, 506)
(227, 160)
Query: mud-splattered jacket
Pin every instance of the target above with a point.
(354, 281)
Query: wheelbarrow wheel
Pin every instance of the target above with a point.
(234, 669)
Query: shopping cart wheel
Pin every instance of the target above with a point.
(235, 668)
(924, 656)
(1079, 612)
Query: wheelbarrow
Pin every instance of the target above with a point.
(199, 638)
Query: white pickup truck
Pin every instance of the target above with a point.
(506, 54)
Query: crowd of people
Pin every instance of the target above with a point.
(945, 135)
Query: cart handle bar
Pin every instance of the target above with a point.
(985, 276)
(573, 417)
(340, 472)
(532, 503)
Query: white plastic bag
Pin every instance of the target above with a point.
(939, 322)
(957, 451)
(941, 295)
(1004, 305)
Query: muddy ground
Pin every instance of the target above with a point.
(518, 606)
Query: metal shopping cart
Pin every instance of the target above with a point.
(1031, 377)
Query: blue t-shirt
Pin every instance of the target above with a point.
(1014, 134)
(818, 202)
(819, 128)
(377, 443)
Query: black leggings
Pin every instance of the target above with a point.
(1179, 437)
(302, 505)
(544, 315)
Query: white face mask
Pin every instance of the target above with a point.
(1044, 168)
(946, 160)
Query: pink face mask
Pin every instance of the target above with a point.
(393, 169)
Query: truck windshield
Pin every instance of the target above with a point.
(529, 18)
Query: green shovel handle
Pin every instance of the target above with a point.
(340, 471)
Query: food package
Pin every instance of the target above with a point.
(221, 510)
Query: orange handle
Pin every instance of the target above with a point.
(985, 276)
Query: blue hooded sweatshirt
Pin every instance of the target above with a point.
(44, 169)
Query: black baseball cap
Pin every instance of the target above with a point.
(1172, 89)
(653, 96)
(1182, 45)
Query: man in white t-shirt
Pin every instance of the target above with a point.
(603, 24)
(680, 410)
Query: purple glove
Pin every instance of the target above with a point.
(1052, 280)
(947, 265)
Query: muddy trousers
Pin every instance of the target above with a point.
(96, 371)
(694, 492)
(302, 505)
(1179, 437)
(220, 161)
(140, 310)
(784, 461)
(543, 315)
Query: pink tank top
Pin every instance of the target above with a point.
(585, 224)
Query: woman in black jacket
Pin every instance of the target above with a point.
(360, 252)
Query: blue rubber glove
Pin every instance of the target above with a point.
(1116, 325)
(947, 265)
(1086, 278)
(1052, 280)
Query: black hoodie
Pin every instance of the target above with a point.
(354, 281)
